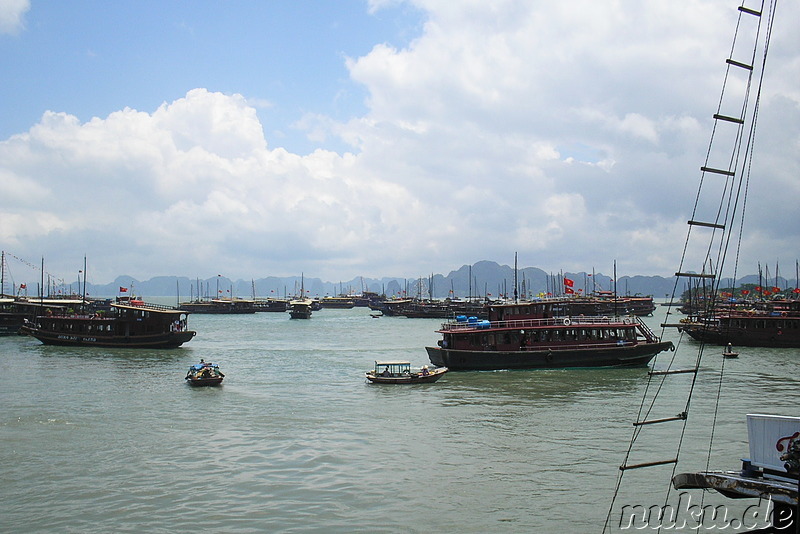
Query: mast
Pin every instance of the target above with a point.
(616, 312)
(470, 283)
(516, 294)
(84, 279)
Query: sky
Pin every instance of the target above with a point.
(376, 138)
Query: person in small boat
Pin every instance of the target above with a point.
(729, 349)
(386, 372)
(425, 371)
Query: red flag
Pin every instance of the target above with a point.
(776, 290)
(569, 290)
(758, 288)
(23, 286)
(796, 290)
(123, 289)
(745, 291)
(767, 292)
(568, 282)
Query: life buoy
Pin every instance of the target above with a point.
(567, 321)
(626, 320)
(783, 314)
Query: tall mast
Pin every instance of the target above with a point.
(84, 279)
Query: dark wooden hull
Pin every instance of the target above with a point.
(414, 378)
(541, 358)
(201, 382)
(167, 340)
(775, 333)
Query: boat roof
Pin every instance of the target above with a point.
(156, 308)
(391, 362)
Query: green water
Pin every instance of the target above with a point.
(99, 440)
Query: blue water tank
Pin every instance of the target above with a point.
(484, 324)
(461, 318)
(472, 319)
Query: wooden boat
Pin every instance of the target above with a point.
(341, 302)
(751, 328)
(204, 374)
(130, 323)
(729, 352)
(220, 306)
(300, 308)
(526, 335)
(271, 305)
(398, 372)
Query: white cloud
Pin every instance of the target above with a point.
(12, 13)
(505, 126)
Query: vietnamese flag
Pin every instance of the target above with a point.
(123, 289)
(745, 291)
(776, 290)
(796, 290)
(569, 290)
(758, 288)
(568, 282)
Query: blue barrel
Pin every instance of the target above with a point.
(472, 319)
(461, 318)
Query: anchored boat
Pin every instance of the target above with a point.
(527, 335)
(129, 323)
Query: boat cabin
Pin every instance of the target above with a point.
(392, 368)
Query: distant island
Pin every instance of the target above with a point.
(485, 278)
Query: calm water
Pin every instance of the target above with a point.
(295, 441)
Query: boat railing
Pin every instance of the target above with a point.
(579, 320)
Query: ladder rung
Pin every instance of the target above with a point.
(672, 371)
(680, 417)
(648, 464)
(717, 171)
(707, 225)
(738, 64)
(695, 275)
(729, 119)
(749, 11)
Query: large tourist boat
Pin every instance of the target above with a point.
(529, 335)
(342, 302)
(777, 326)
(220, 306)
(130, 323)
